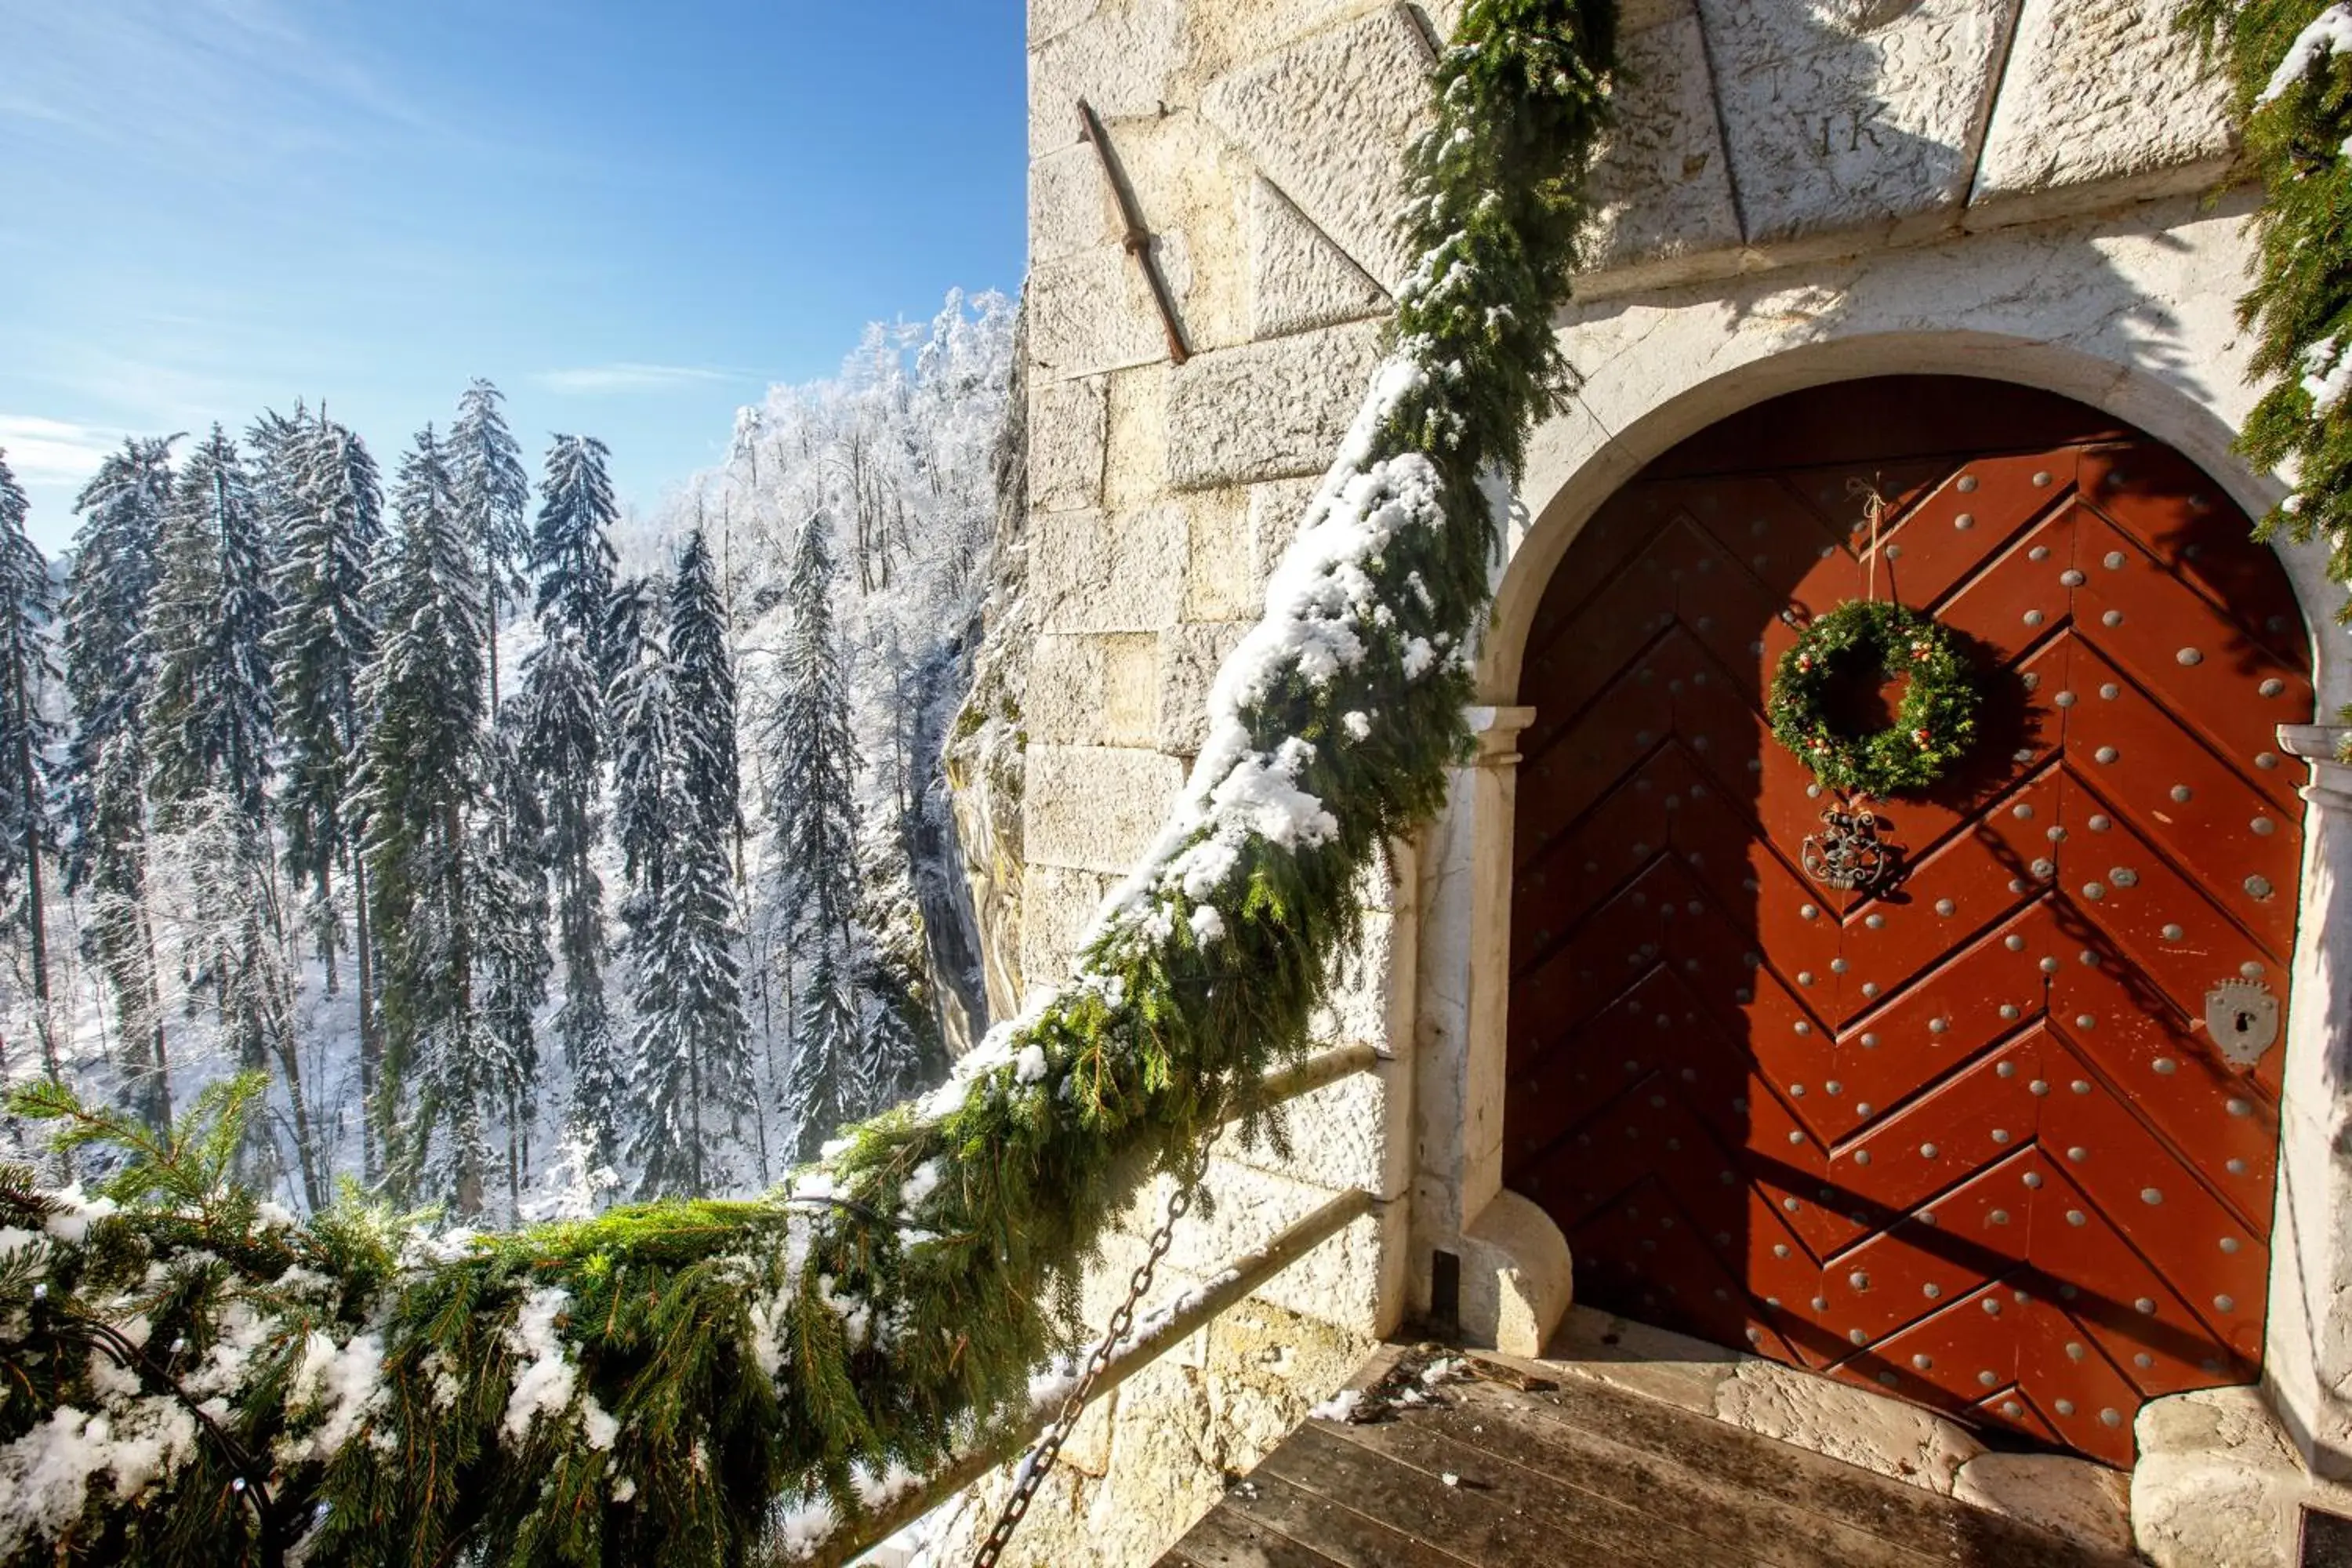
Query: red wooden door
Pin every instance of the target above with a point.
(1970, 1139)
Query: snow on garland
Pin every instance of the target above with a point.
(2286, 60)
(694, 1382)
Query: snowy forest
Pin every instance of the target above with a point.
(538, 856)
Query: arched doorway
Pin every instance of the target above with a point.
(1970, 1140)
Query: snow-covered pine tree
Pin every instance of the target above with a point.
(121, 933)
(693, 1045)
(693, 1065)
(572, 548)
(109, 664)
(209, 723)
(493, 499)
(563, 715)
(812, 770)
(273, 458)
(702, 678)
(27, 836)
(509, 884)
(643, 705)
(323, 638)
(820, 1081)
(421, 771)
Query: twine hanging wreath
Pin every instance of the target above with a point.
(1934, 722)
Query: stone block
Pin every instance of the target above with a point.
(1066, 691)
(1058, 908)
(1164, 1471)
(1092, 311)
(1188, 660)
(2086, 1503)
(1067, 424)
(1220, 584)
(1095, 808)
(1846, 114)
(1131, 689)
(1517, 1281)
(2217, 1485)
(1850, 1424)
(1367, 990)
(1275, 510)
(1661, 191)
(1135, 470)
(1344, 1281)
(1353, 1133)
(1070, 206)
(1087, 1448)
(1267, 1369)
(2100, 92)
(1297, 278)
(1327, 119)
(1268, 411)
(1224, 34)
(1191, 191)
(1048, 17)
(1094, 690)
(1095, 573)
(1123, 61)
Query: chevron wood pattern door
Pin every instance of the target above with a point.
(1969, 1140)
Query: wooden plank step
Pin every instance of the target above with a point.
(1265, 1520)
(1524, 1527)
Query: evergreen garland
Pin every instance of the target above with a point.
(2285, 61)
(692, 1382)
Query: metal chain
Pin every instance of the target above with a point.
(1041, 1458)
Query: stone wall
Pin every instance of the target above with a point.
(1262, 143)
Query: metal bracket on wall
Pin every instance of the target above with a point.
(1136, 238)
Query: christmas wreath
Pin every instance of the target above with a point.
(1934, 722)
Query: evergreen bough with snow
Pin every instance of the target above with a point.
(2290, 65)
(697, 1382)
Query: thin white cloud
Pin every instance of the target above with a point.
(590, 381)
(53, 451)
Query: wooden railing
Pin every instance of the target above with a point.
(1154, 1335)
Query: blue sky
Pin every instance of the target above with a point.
(633, 216)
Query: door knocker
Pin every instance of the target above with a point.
(1847, 854)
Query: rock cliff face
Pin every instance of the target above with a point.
(985, 761)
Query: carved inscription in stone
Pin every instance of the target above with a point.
(1850, 113)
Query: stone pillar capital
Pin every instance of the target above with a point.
(1496, 731)
(2330, 788)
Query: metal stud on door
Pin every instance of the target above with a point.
(1995, 1131)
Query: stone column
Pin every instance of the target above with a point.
(1513, 1265)
(2307, 1364)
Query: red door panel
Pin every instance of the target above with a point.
(1965, 1139)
